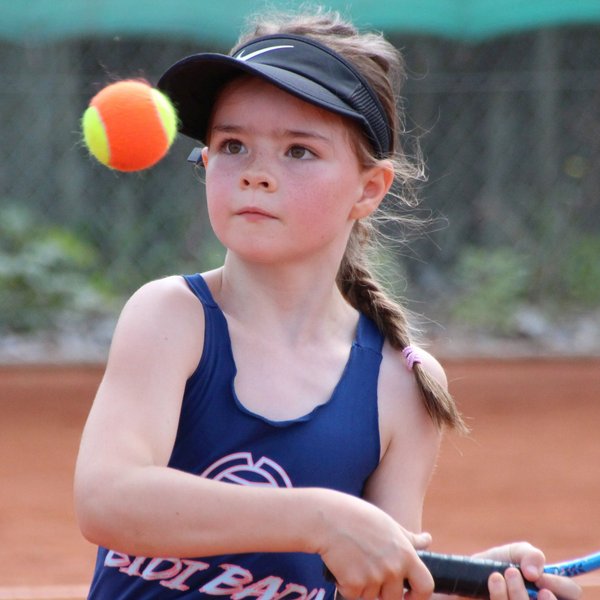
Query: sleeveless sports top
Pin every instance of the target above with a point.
(335, 446)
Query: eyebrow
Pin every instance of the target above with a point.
(227, 128)
(293, 133)
(306, 134)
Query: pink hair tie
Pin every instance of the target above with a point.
(412, 357)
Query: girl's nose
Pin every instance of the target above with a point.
(256, 176)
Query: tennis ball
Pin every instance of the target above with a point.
(129, 125)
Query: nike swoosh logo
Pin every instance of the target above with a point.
(244, 57)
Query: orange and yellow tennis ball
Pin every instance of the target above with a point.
(129, 125)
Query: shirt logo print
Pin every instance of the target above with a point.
(241, 468)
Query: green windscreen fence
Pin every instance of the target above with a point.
(219, 22)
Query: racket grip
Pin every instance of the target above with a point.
(462, 575)
(466, 576)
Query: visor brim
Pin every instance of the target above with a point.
(194, 83)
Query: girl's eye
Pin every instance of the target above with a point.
(232, 147)
(300, 153)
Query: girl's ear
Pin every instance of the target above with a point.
(205, 156)
(377, 182)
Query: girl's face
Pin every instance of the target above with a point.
(283, 182)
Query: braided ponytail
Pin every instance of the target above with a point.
(363, 292)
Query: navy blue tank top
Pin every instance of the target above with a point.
(335, 446)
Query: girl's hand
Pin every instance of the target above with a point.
(371, 555)
(531, 563)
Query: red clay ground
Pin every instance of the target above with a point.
(529, 470)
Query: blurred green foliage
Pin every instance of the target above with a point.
(491, 284)
(48, 275)
(581, 271)
(494, 283)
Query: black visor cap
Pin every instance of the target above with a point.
(299, 65)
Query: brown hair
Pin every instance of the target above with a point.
(382, 65)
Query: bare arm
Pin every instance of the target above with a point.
(410, 442)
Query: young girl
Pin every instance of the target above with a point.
(287, 371)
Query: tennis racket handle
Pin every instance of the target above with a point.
(463, 575)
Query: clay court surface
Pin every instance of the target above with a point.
(528, 470)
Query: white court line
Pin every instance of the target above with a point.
(44, 592)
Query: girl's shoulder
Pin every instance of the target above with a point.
(163, 311)
(400, 401)
(171, 293)
(167, 298)
(397, 374)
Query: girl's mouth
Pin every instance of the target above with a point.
(254, 213)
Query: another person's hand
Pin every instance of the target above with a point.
(531, 561)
